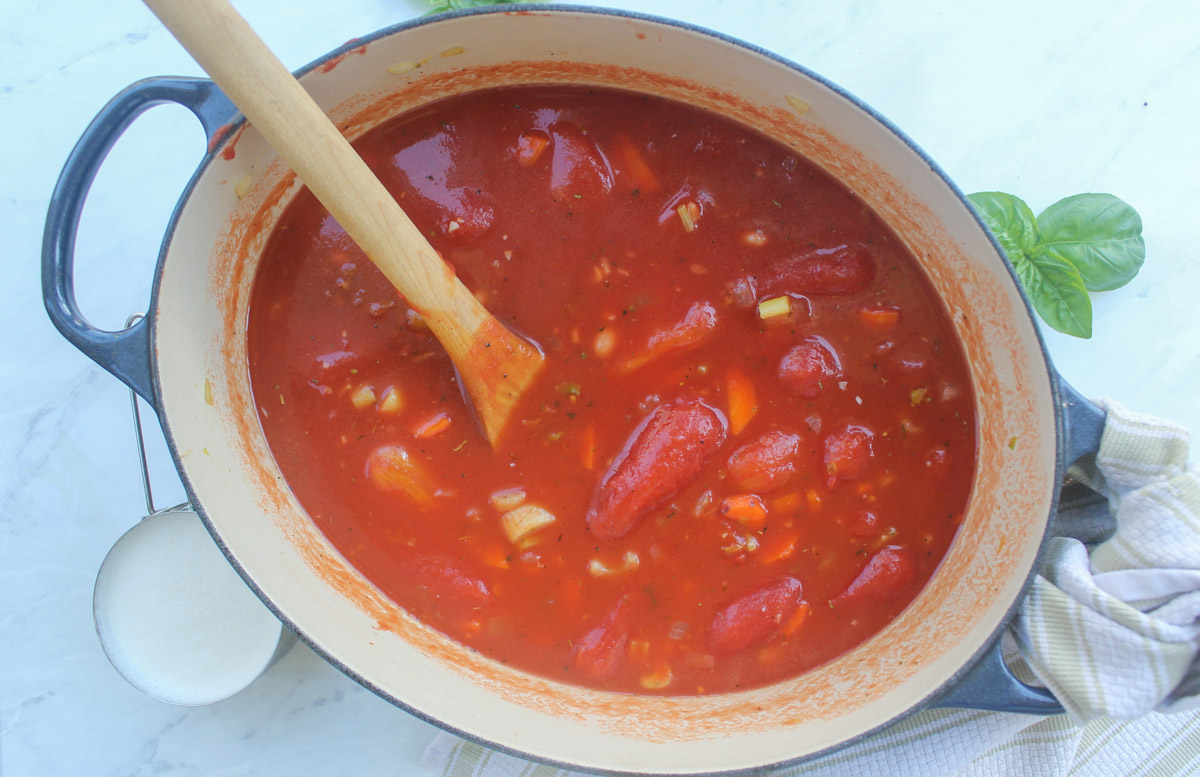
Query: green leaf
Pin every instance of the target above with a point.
(1010, 220)
(1058, 294)
(1098, 233)
(441, 6)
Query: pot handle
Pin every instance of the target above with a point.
(1083, 423)
(990, 685)
(126, 354)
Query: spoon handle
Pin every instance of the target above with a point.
(281, 110)
(250, 74)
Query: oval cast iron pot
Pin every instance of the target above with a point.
(190, 348)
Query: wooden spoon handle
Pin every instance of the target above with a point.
(279, 108)
(276, 104)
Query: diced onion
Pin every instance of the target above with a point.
(742, 293)
(242, 187)
(391, 403)
(630, 561)
(524, 521)
(391, 468)
(400, 68)
(798, 105)
(507, 499)
(604, 343)
(363, 397)
(757, 238)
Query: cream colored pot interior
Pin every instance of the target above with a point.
(207, 403)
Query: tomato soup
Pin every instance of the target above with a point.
(751, 445)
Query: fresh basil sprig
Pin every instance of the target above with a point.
(1088, 242)
(441, 6)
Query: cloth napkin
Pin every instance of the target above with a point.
(1111, 626)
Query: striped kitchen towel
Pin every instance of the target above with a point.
(1111, 626)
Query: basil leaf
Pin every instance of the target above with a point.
(441, 6)
(1010, 220)
(1057, 292)
(1098, 233)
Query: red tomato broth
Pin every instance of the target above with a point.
(560, 207)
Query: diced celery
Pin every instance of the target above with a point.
(776, 306)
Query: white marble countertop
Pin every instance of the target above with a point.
(1039, 99)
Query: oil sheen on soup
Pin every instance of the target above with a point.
(753, 440)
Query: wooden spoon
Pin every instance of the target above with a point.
(494, 365)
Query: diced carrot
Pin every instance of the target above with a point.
(530, 147)
(881, 316)
(746, 509)
(788, 503)
(743, 403)
(779, 548)
(588, 447)
(496, 556)
(632, 162)
(797, 620)
(431, 426)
